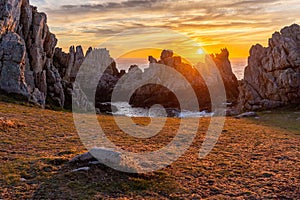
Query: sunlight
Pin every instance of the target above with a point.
(200, 51)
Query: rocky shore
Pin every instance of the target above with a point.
(272, 77)
(32, 67)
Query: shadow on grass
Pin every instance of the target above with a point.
(103, 182)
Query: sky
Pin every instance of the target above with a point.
(137, 24)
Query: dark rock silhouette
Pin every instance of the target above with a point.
(229, 79)
(152, 94)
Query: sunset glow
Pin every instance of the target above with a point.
(214, 24)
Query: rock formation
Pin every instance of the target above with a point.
(230, 81)
(32, 68)
(149, 95)
(272, 77)
(67, 65)
(26, 53)
(12, 64)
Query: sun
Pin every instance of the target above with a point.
(200, 51)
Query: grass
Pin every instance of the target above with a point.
(253, 159)
(288, 119)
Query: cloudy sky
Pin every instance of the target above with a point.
(214, 24)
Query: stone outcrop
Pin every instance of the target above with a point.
(12, 64)
(229, 79)
(32, 68)
(93, 62)
(27, 48)
(149, 95)
(67, 65)
(272, 77)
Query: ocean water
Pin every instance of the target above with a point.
(238, 64)
(124, 109)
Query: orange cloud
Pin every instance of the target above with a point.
(213, 24)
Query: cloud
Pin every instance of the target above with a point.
(209, 22)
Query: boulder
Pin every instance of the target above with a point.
(106, 108)
(12, 65)
(108, 157)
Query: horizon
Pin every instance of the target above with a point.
(231, 24)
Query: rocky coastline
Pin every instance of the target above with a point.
(31, 66)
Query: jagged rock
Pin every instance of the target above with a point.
(68, 65)
(30, 48)
(40, 81)
(9, 15)
(76, 57)
(151, 94)
(79, 100)
(37, 97)
(54, 86)
(12, 64)
(151, 59)
(109, 79)
(122, 72)
(39, 40)
(105, 87)
(229, 79)
(166, 54)
(272, 77)
(61, 60)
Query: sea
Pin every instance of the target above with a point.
(124, 109)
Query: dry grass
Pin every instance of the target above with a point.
(250, 160)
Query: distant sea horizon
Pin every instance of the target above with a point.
(238, 64)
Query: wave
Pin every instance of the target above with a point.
(124, 109)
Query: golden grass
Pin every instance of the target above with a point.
(249, 161)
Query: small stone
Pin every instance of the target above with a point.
(247, 114)
(81, 169)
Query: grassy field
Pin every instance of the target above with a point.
(253, 159)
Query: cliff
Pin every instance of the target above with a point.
(272, 77)
(26, 54)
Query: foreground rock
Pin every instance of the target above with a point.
(107, 157)
(272, 77)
